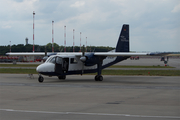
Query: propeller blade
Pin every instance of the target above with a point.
(45, 51)
(83, 59)
(83, 50)
(83, 68)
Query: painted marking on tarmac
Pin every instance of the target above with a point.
(81, 113)
(91, 86)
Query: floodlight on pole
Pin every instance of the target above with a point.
(10, 46)
(64, 38)
(86, 44)
(73, 40)
(52, 36)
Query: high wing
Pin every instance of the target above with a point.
(70, 53)
(113, 54)
(40, 53)
(26, 54)
(95, 53)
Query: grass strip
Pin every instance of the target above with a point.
(106, 72)
(19, 65)
(18, 71)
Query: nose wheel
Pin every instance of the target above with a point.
(40, 79)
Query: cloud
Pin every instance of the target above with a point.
(16, 10)
(6, 26)
(176, 8)
(99, 20)
(78, 4)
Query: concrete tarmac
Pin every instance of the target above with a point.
(80, 97)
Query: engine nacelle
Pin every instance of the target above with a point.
(83, 58)
(90, 59)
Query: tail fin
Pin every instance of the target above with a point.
(123, 41)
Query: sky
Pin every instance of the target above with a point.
(154, 24)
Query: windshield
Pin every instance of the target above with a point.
(49, 58)
(52, 60)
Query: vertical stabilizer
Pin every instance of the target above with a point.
(123, 41)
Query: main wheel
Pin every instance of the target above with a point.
(40, 79)
(62, 77)
(98, 78)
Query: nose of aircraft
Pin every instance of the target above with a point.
(45, 68)
(38, 69)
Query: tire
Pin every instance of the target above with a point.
(40, 79)
(98, 78)
(62, 77)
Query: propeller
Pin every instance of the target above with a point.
(83, 58)
(45, 51)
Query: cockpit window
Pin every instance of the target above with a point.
(49, 58)
(52, 60)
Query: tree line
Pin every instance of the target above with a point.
(48, 47)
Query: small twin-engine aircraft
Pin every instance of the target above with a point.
(63, 64)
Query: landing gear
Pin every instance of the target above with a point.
(98, 78)
(40, 79)
(62, 77)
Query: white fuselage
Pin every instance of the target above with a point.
(74, 64)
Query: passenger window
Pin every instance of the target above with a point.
(73, 61)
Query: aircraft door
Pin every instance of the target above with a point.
(65, 64)
(59, 65)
